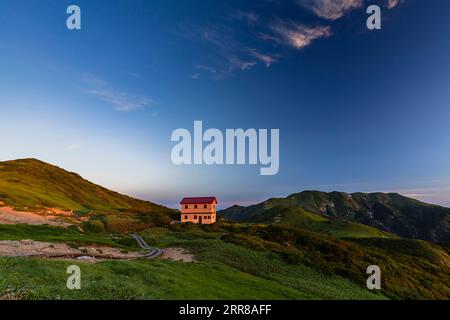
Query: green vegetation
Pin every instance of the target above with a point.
(297, 217)
(234, 261)
(224, 271)
(158, 279)
(94, 226)
(405, 276)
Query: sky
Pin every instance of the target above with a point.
(357, 109)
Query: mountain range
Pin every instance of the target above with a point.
(388, 212)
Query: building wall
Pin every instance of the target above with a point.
(192, 214)
(198, 208)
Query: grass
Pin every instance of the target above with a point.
(258, 276)
(145, 279)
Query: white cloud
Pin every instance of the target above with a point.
(331, 9)
(121, 101)
(195, 76)
(297, 35)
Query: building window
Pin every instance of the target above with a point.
(186, 217)
(209, 217)
(195, 207)
(205, 206)
(195, 217)
(186, 206)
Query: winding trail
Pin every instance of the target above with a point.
(152, 252)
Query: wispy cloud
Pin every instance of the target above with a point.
(230, 56)
(220, 37)
(237, 63)
(433, 191)
(121, 101)
(393, 3)
(239, 40)
(267, 59)
(205, 68)
(297, 35)
(331, 9)
(250, 18)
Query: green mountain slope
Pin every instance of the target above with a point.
(391, 212)
(298, 217)
(33, 184)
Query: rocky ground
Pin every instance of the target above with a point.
(177, 254)
(53, 217)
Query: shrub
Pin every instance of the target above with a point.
(94, 226)
(124, 224)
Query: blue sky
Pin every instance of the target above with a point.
(357, 110)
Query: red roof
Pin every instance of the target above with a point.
(199, 200)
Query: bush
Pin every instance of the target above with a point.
(94, 226)
(124, 224)
(127, 242)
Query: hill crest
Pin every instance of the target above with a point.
(34, 184)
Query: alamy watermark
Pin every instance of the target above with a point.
(374, 280)
(374, 20)
(191, 149)
(73, 22)
(74, 280)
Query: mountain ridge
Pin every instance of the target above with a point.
(389, 212)
(34, 184)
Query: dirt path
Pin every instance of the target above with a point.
(178, 254)
(30, 248)
(10, 216)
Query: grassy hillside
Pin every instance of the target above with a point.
(391, 212)
(33, 184)
(297, 217)
(417, 272)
